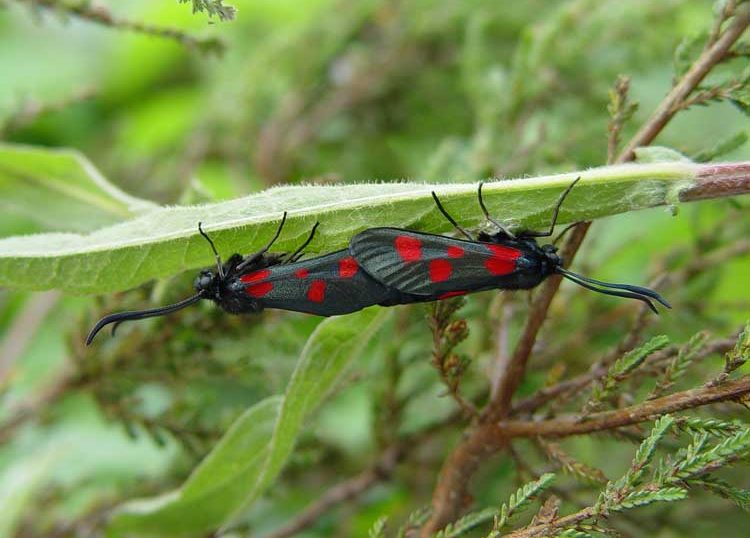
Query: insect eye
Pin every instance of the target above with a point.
(203, 280)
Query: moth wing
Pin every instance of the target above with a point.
(328, 285)
(431, 265)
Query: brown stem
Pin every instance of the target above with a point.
(488, 439)
(607, 420)
(719, 180)
(695, 75)
(511, 378)
(544, 528)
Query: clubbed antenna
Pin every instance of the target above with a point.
(618, 290)
(140, 314)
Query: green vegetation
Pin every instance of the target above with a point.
(555, 413)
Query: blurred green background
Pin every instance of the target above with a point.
(330, 91)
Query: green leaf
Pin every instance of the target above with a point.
(645, 452)
(213, 8)
(378, 528)
(164, 242)
(415, 520)
(621, 369)
(740, 354)
(467, 523)
(723, 146)
(521, 499)
(215, 487)
(739, 496)
(712, 426)
(644, 497)
(699, 459)
(329, 351)
(574, 533)
(61, 190)
(250, 456)
(680, 364)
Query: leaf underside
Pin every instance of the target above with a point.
(163, 241)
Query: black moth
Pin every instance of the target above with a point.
(433, 267)
(328, 285)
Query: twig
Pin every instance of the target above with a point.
(719, 180)
(544, 528)
(713, 55)
(620, 111)
(502, 346)
(572, 425)
(99, 14)
(512, 377)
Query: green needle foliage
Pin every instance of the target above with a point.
(212, 8)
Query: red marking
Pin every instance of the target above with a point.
(455, 252)
(317, 291)
(409, 248)
(348, 267)
(452, 294)
(259, 290)
(440, 270)
(256, 276)
(301, 273)
(503, 260)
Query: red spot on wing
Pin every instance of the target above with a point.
(259, 290)
(256, 276)
(317, 291)
(452, 294)
(503, 260)
(301, 273)
(440, 270)
(455, 251)
(348, 267)
(409, 248)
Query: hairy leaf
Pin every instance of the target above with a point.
(165, 241)
(216, 486)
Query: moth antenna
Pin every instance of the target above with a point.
(140, 314)
(450, 219)
(219, 265)
(626, 294)
(487, 213)
(559, 204)
(628, 287)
